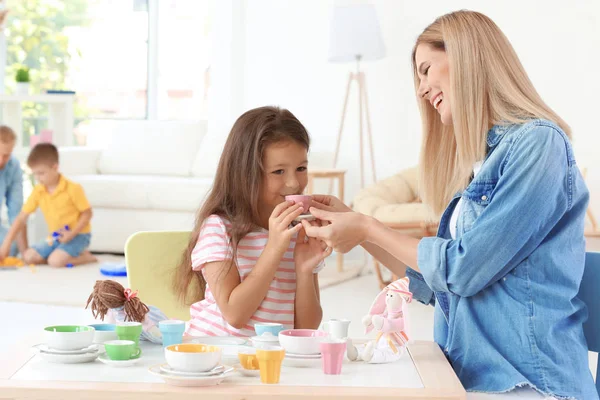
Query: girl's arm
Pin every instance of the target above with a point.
(308, 312)
(237, 300)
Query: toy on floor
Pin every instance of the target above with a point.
(56, 235)
(388, 317)
(122, 305)
(12, 262)
(113, 269)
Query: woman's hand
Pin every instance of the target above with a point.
(309, 253)
(342, 231)
(329, 203)
(280, 220)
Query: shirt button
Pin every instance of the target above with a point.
(504, 279)
(484, 197)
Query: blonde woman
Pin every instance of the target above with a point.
(505, 269)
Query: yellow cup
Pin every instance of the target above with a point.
(269, 363)
(248, 360)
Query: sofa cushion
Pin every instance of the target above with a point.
(166, 148)
(144, 192)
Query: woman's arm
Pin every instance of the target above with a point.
(347, 230)
(332, 203)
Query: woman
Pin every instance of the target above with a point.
(506, 266)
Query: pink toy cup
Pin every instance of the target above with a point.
(332, 354)
(300, 199)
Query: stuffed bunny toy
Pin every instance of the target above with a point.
(387, 317)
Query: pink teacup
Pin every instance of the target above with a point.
(332, 354)
(300, 199)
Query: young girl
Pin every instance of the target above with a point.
(251, 265)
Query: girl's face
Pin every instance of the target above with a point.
(285, 173)
(433, 71)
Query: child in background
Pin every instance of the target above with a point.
(252, 266)
(63, 204)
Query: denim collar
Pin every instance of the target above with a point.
(496, 133)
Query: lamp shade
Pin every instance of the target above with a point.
(355, 32)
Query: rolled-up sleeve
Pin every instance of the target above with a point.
(419, 288)
(531, 195)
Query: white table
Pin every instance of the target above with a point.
(424, 373)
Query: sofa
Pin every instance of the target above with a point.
(140, 175)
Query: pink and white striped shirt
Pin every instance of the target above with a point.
(278, 306)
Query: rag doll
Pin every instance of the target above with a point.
(121, 305)
(388, 318)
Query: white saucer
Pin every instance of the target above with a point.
(215, 371)
(189, 380)
(265, 337)
(247, 372)
(42, 347)
(117, 363)
(217, 340)
(301, 362)
(303, 356)
(308, 217)
(68, 358)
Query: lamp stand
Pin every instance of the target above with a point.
(363, 106)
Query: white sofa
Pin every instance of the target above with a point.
(149, 175)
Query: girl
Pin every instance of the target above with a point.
(250, 264)
(505, 269)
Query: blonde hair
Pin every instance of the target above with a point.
(489, 86)
(7, 135)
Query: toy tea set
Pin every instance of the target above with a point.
(197, 361)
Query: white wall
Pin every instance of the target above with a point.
(285, 63)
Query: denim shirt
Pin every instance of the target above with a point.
(505, 290)
(11, 188)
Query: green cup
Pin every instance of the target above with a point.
(129, 331)
(122, 350)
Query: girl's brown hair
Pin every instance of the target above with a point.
(238, 181)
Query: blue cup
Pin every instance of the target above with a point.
(268, 327)
(172, 331)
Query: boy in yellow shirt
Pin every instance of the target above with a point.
(65, 208)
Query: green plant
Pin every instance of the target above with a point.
(22, 75)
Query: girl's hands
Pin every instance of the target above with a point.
(280, 233)
(309, 253)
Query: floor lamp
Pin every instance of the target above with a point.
(355, 37)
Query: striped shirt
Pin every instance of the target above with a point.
(278, 305)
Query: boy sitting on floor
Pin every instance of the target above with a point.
(63, 204)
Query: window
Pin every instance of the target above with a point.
(125, 59)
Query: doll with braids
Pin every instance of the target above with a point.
(110, 298)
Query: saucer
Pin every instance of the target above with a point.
(117, 363)
(216, 340)
(265, 337)
(176, 380)
(247, 372)
(301, 362)
(215, 371)
(308, 217)
(42, 347)
(303, 356)
(68, 358)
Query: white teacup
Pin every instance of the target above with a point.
(337, 328)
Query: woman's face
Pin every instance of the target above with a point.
(434, 86)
